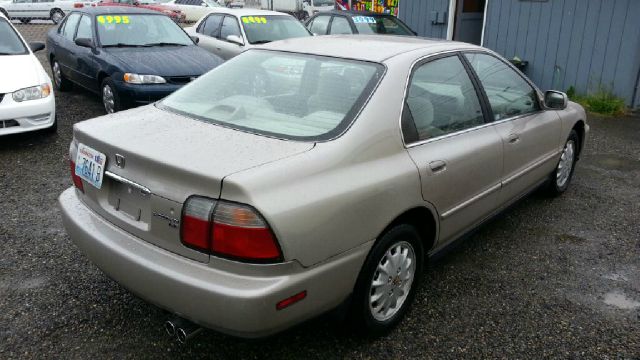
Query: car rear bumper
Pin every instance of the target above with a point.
(240, 303)
(136, 95)
(32, 115)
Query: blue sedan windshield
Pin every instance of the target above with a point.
(139, 30)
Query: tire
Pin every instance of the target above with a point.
(375, 316)
(59, 80)
(56, 16)
(110, 99)
(563, 173)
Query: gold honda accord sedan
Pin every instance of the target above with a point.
(310, 174)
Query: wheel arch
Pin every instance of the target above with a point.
(579, 127)
(424, 220)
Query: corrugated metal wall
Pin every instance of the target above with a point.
(418, 14)
(581, 43)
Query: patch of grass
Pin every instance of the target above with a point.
(602, 102)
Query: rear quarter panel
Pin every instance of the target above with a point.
(344, 192)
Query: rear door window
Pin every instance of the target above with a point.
(441, 99)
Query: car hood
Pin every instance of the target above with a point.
(18, 72)
(176, 156)
(166, 60)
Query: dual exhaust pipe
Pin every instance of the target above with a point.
(182, 329)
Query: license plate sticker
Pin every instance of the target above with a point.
(90, 165)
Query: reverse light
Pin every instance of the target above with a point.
(228, 229)
(143, 79)
(32, 93)
(77, 181)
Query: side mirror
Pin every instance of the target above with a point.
(84, 42)
(36, 46)
(556, 100)
(195, 39)
(235, 39)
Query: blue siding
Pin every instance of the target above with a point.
(417, 14)
(583, 43)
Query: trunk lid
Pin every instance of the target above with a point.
(172, 156)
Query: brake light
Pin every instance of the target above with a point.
(228, 229)
(78, 6)
(77, 181)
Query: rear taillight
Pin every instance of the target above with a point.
(228, 229)
(77, 181)
(78, 5)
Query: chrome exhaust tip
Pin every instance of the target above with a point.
(170, 327)
(186, 332)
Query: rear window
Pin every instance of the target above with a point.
(291, 96)
(10, 42)
(385, 24)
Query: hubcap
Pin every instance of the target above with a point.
(392, 281)
(57, 76)
(57, 16)
(565, 164)
(108, 100)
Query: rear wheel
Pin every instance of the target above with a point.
(57, 15)
(561, 176)
(388, 280)
(59, 80)
(110, 98)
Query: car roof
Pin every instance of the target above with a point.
(376, 48)
(245, 11)
(119, 10)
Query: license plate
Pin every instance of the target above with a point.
(90, 165)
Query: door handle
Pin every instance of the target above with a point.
(513, 138)
(438, 166)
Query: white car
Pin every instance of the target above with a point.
(193, 9)
(26, 95)
(228, 32)
(27, 10)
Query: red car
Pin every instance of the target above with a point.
(175, 15)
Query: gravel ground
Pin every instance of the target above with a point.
(549, 278)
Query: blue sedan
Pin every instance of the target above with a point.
(129, 56)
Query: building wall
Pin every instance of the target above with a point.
(581, 43)
(419, 15)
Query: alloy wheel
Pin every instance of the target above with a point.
(392, 280)
(57, 75)
(566, 164)
(108, 99)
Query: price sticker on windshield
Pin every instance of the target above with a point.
(254, 19)
(115, 19)
(364, 20)
(90, 165)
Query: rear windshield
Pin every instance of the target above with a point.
(10, 42)
(264, 29)
(291, 96)
(383, 24)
